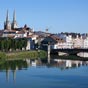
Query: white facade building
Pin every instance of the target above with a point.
(85, 44)
(28, 45)
(68, 43)
(78, 42)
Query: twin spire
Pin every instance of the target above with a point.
(14, 16)
(7, 16)
(7, 24)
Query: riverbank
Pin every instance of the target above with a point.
(23, 54)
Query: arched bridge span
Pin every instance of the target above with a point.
(69, 51)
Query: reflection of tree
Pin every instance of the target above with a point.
(7, 75)
(13, 65)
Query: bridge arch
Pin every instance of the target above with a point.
(68, 51)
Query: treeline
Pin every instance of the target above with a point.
(10, 44)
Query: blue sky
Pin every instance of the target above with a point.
(56, 15)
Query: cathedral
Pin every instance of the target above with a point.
(11, 29)
(8, 25)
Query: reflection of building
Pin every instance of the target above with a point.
(35, 62)
(68, 63)
(83, 54)
(28, 62)
(14, 66)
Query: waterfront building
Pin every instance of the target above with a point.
(66, 42)
(78, 42)
(85, 44)
(73, 41)
(59, 41)
(69, 42)
(30, 44)
(54, 41)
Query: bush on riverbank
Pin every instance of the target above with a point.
(2, 56)
(42, 54)
(27, 54)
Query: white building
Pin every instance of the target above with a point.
(67, 43)
(78, 42)
(85, 44)
(28, 47)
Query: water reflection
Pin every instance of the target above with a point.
(66, 64)
(15, 65)
(12, 66)
(83, 54)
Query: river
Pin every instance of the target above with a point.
(47, 73)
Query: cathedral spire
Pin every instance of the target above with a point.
(14, 16)
(7, 16)
(7, 24)
(14, 23)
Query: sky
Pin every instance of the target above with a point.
(56, 15)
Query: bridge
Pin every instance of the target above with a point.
(68, 51)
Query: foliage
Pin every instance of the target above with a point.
(27, 54)
(13, 64)
(2, 56)
(42, 54)
(7, 44)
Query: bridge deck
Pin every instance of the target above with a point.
(69, 51)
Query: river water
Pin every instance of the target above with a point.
(53, 73)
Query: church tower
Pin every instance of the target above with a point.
(7, 24)
(14, 23)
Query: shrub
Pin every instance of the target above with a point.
(2, 56)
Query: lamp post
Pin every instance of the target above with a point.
(48, 52)
(48, 48)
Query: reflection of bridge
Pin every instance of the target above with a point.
(68, 51)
